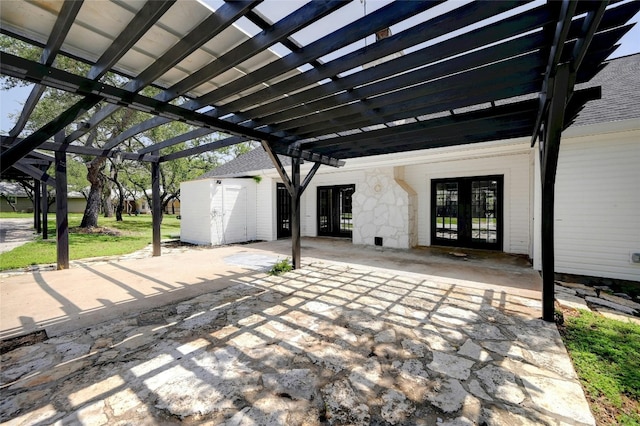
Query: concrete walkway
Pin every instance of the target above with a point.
(15, 232)
(331, 343)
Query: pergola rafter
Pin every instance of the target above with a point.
(65, 19)
(510, 72)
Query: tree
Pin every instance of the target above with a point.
(105, 177)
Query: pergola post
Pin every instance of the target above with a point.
(37, 223)
(295, 189)
(62, 209)
(156, 208)
(44, 202)
(550, 149)
(295, 211)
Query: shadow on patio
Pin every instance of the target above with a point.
(328, 343)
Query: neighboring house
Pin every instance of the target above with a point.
(137, 204)
(482, 195)
(18, 196)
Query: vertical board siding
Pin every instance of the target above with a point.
(517, 199)
(218, 213)
(266, 209)
(195, 197)
(597, 216)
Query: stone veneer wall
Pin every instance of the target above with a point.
(385, 206)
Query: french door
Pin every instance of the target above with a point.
(467, 212)
(335, 217)
(283, 212)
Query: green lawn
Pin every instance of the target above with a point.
(130, 235)
(606, 356)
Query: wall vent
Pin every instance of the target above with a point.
(377, 241)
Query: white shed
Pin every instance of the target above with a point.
(218, 211)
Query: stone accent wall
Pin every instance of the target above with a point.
(385, 206)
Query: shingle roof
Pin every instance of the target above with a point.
(620, 82)
(620, 100)
(254, 160)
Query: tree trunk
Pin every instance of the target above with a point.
(96, 179)
(120, 189)
(107, 204)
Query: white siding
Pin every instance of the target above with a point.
(218, 213)
(266, 211)
(515, 168)
(195, 222)
(597, 216)
(237, 202)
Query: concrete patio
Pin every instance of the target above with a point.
(356, 336)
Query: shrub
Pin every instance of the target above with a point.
(280, 267)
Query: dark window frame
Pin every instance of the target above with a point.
(464, 215)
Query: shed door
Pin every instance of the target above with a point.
(467, 212)
(234, 204)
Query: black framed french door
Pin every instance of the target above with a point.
(335, 216)
(468, 212)
(283, 212)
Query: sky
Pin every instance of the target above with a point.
(11, 101)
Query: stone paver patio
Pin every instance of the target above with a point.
(326, 344)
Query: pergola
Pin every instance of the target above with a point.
(308, 81)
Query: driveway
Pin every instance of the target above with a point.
(331, 343)
(15, 232)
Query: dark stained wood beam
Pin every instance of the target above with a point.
(34, 172)
(279, 167)
(193, 134)
(360, 28)
(205, 31)
(396, 96)
(18, 150)
(567, 11)
(44, 202)
(95, 91)
(62, 209)
(233, 140)
(295, 212)
(98, 152)
(303, 17)
(156, 208)
(430, 29)
(278, 32)
(37, 220)
(549, 161)
(310, 175)
(142, 22)
(65, 19)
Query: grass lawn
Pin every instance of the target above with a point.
(606, 356)
(116, 238)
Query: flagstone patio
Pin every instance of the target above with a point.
(330, 343)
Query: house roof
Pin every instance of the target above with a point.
(320, 98)
(619, 80)
(16, 190)
(254, 160)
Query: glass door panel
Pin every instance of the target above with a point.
(484, 214)
(324, 211)
(283, 211)
(447, 210)
(335, 216)
(467, 212)
(346, 215)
